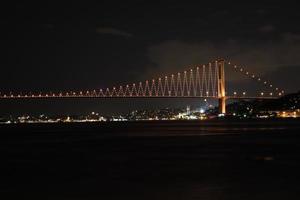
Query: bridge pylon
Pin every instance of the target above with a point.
(221, 86)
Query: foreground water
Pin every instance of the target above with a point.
(151, 160)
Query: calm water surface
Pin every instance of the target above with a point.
(151, 160)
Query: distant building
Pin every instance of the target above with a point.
(188, 110)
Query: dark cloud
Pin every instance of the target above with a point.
(267, 28)
(291, 37)
(113, 31)
(261, 11)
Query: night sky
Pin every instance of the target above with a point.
(73, 46)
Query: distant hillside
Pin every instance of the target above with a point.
(287, 102)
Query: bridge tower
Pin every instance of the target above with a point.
(221, 86)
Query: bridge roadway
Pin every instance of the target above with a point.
(128, 96)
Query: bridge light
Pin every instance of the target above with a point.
(271, 94)
(258, 79)
(253, 76)
(229, 63)
(265, 82)
(280, 94)
(247, 73)
(205, 100)
(276, 89)
(262, 94)
(234, 93)
(241, 69)
(191, 70)
(244, 93)
(166, 77)
(271, 85)
(235, 66)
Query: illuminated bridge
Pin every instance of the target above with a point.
(200, 81)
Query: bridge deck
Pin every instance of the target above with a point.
(140, 97)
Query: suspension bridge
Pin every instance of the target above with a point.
(201, 81)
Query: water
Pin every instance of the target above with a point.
(152, 160)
